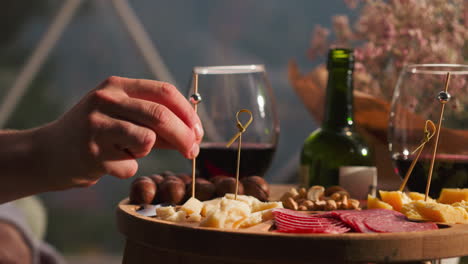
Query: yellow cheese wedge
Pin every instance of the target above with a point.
(395, 198)
(442, 213)
(375, 203)
(415, 196)
(453, 195)
(412, 213)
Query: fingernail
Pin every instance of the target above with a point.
(198, 131)
(195, 150)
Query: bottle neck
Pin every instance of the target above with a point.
(339, 100)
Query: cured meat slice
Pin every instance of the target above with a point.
(396, 223)
(365, 221)
(294, 222)
(355, 218)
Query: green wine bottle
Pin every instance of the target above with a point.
(336, 144)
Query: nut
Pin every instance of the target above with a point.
(315, 192)
(204, 189)
(187, 179)
(345, 202)
(173, 178)
(217, 178)
(320, 205)
(167, 173)
(353, 204)
(302, 208)
(291, 193)
(289, 203)
(142, 191)
(302, 193)
(257, 187)
(157, 179)
(228, 185)
(333, 189)
(172, 190)
(330, 205)
(336, 196)
(309, 204)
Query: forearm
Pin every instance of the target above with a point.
(21, 164)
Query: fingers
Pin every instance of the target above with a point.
(122, 169)
(119, 139)
(164, 94)
(172, 131)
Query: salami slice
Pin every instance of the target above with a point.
(365, 221)
(396, 223)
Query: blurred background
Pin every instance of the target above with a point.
(96, 44)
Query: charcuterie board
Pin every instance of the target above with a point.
(150, 240)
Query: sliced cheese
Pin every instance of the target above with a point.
(442, 213)
(260, 206)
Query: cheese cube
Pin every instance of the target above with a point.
(395, 198)
(179, 216)
(192, 206)
(165, 212)
(453, 195)
(215, 219)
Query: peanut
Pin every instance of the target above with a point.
(302, 208)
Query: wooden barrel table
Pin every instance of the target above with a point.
(149, 240)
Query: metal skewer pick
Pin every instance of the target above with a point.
(195, 99)
(242, 129)
(443, 98)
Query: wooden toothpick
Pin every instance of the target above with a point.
(242, 129)
(428, 134)
(195, 98)
(443, 97)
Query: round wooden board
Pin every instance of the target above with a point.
(257, 246)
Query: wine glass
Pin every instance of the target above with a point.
(224, 91)
(415, 100)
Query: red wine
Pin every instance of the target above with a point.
(450, 171)
(215, 159)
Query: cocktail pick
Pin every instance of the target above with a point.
(195, 99)
(443, 98)
(242, 129)
(428, 134)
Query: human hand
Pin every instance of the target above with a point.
(113, 125)
(13, 248)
